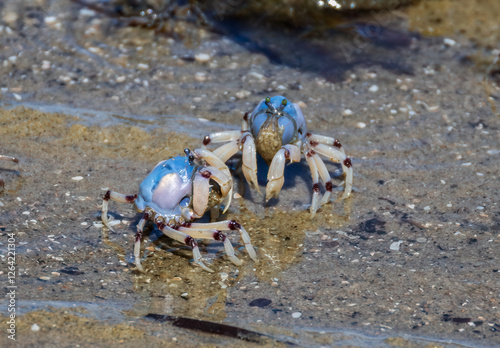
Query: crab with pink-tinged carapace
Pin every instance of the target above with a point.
(276, 129)
(178, 191)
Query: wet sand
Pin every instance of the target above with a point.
(411, 260)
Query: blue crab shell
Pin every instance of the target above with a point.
(291, 120)
(168, 187)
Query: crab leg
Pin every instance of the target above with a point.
(275, 174)
(314, 173)
(6, 158)
(228, 225)
(201, 190)
(337, 156)
(215, 161)
(325, 176)
(137, 244)
(221, 137)
(115, 196)
(186, 239)
(221, 178)
(226, 151)
(326, 141)
(249, 160)
(214, 235)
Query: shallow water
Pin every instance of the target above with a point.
(411, 260)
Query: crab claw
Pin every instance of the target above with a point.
(275, 175)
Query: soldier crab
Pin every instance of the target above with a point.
(178, 191)
(277, 131)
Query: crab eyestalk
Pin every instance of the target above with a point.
(269, 105)
(284, 102)
(189, 155)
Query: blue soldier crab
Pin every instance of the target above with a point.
(176, 192)
(277, 131)
(6, 158)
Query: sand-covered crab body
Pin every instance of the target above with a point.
(178, 191)
(276, 124)
(276, 129)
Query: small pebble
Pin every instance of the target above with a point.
(45, 65)
(202, 57)
(373, 88)
(395, 245)
(296, 315)
(200, 76)
(142, 66)
(77, 178)
(35, 327)
(449, 42)
(361, 125)
(242, 94)
(347, 112)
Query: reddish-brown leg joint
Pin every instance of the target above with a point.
(347, 162)
(206, 174)
(337, 143)
(287, 153)
(138, 236)
(316, 187)
(218, 235)
(206, 140)
(233, 225)
(190, 242)
(329, 186)
(313, 143)
(131, 198)
(245, 117)
(160, 225)
(107, 196)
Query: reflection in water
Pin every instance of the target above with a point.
(172, 286)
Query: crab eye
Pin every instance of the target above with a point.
(185, 202)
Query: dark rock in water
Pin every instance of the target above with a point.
(260, 302)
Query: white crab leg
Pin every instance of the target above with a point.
(315, 188)
(337, 156)
(214, 235)
(115, 196)
(188, 240)
(221, 178)
(325, 176)
(293, 153)
(215, 161)
(137, 244)
(8, 158)
(201, 190)
(221, 137)
(249, 160)
(229, 225)
(275, 173)
(227, 151)
(326, 141)
(245, 126)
